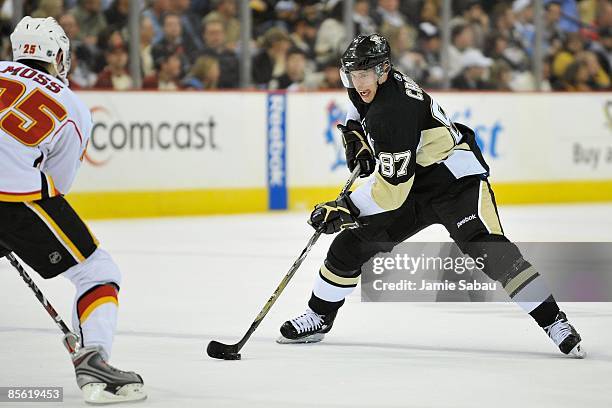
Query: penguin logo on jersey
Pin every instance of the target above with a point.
(55, 257)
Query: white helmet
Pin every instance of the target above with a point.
(42, 39)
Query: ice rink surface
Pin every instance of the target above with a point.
(190, 280)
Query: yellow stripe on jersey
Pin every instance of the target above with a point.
(50, 185)
(20, 198)
(56, 230)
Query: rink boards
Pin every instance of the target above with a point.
(179, 153)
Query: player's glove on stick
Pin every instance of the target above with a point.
(356, 148)
(335, 216)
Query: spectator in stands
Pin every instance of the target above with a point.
(603, 48)
(331, 36)
(293, 77)
(604, 14)
(572, 46)
(311, 9)
(214, 46)
(598, 78)
(155, 13)
(570, 19)
(271, 60)
(472, 77)
(499, 49)
(189, 22)
(86, 53)
(501, 76)
(524, 29)
(287, 13)
(503, 20)
(227, 10)
(204, 74)
(473, 15)
(430, 12)
(304, 35)
(462, 39)
(147, 32)
(90, 19)
(80, 76)
(429, 47)
(330, 76)
(167, 77)
(71, 28)
(387, 13)
(364, 23)
(115, 75)
(411, 9)
(174, 42)
(263, 14)
(402, 55)
(576, 77)
(117, 14)
(553, 36)
(49, 8)
(512, 52)
(200, 7)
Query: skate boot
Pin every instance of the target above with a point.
(565, 336)
(102, 383)
(307, 328)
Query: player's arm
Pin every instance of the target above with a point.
(396, 141)
(357, 149)
(67, 151)
(395, 144)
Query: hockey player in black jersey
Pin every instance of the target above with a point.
(430, 171)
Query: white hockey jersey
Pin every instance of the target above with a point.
(44, 131)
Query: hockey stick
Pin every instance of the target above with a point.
(230, 351)
(71, 340)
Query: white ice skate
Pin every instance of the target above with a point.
(102, 383)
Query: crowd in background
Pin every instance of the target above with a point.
(195, 44)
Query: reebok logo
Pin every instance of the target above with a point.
(466, 219)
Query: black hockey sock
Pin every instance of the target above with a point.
(546, 313)
(323, 307)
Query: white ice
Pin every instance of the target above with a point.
(190, 280)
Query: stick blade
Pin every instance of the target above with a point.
(222, 351)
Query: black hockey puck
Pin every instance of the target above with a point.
(221, 351)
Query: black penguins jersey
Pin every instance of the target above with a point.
(411, 135)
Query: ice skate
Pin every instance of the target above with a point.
(565, 336)
(309, 327)
(102, 383)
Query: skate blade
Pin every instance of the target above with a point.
(95, 393)
(313, 338)
(577, 352)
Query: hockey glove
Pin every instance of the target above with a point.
(356, 148)
(335, 216)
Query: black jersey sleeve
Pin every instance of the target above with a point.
(395, 138)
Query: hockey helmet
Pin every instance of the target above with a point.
(364, 53)
(42, 39)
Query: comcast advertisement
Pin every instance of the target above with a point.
(153, 141)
